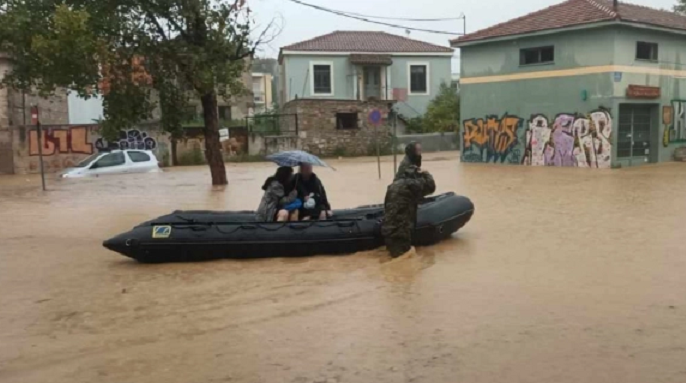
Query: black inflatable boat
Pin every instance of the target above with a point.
(202, 235)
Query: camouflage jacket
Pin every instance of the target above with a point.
(402, 169)
(402, 197)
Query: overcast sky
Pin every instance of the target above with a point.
(298, 22)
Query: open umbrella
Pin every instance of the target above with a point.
(295, 158)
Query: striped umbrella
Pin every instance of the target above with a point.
(295, 158)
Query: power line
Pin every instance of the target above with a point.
(366, 19)
(402, 18)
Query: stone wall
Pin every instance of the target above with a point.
(191, 149)
(66, 145)
(319, 134)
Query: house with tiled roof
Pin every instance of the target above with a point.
(583, 83)
(334, 82)
(362, 65)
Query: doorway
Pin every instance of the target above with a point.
(637, 141)
(372, 82)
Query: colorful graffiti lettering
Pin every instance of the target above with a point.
(571, 140)
(129, 139)
(675, 126)
(491, 139)
(61, 141)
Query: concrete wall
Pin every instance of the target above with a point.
(566, 113)
(66, 145)
(572, 50)
(415, 105)
(298, 77)
(672, 57)
(431, 142)
(82, 111)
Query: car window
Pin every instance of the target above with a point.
(138, 157)
(88, 160)
(112, 159)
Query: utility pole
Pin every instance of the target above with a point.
(36, 121)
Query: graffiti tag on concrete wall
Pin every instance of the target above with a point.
(61, 141)
(128, 139)
(76, 140)
(675, 129)
(569, 140)
(491, 139)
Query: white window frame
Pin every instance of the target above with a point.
(312, 64)
(409, 78)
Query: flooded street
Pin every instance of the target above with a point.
(563, 275)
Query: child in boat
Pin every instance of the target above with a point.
(278, 193)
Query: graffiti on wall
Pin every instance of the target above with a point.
(61, 141)
(569, 140)
(675, 124)
(76, 140)
(491, 139)
(128, 139)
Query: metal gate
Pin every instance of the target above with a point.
(6, 158)
(634, 133)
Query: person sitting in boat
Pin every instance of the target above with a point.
(278, 194)
(313, 195)
(413, 157)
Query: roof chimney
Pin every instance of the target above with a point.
(615, 5)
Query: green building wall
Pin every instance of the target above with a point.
(569, 116)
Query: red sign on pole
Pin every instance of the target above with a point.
(34, 115)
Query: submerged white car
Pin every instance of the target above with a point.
(114, 162)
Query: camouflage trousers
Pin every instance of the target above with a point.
(398, 246)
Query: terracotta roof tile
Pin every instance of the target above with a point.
(577, 12)
(365, 41)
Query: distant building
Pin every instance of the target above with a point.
(333, 82)
(584, 83)
(360, 65)
(262, 92)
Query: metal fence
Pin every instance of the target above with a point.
(273, 124)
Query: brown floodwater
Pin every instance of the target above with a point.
(563, 275)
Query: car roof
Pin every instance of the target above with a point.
(105, 151)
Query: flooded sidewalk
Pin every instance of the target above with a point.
(563, 275)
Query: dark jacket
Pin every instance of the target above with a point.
(274, 198)
(402, 198)
(312, 185)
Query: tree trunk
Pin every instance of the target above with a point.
(213, 149)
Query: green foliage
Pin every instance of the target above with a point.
(680, 7)
(442, 114)
(340, 151)
(415, 125)
(192, 157)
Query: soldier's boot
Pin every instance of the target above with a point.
(398, 246)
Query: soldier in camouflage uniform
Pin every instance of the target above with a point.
(410, 186)
(413, 156)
